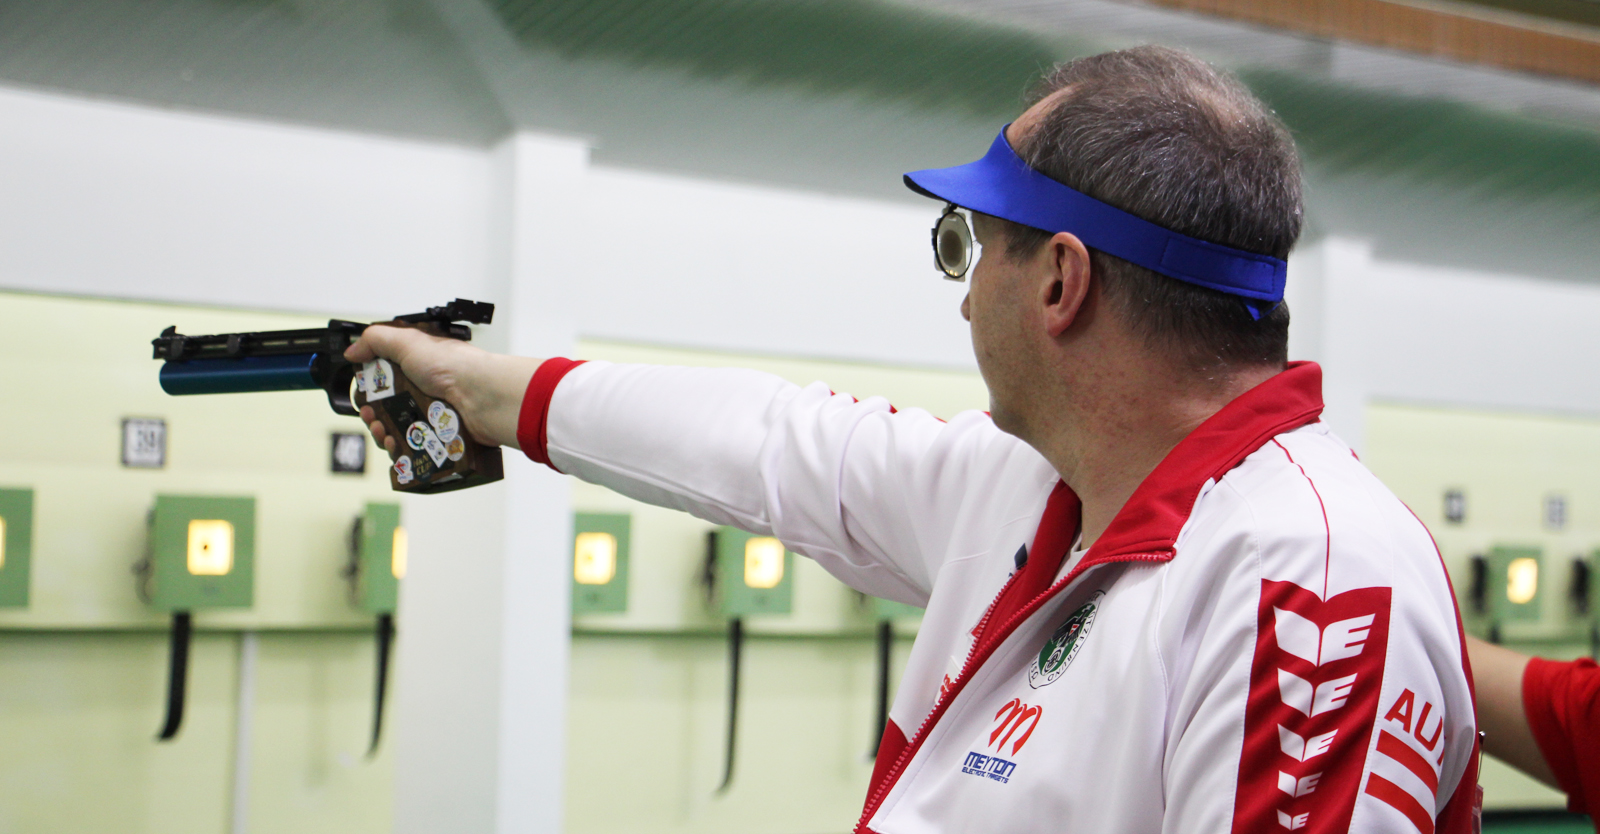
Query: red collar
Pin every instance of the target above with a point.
(1146, 529)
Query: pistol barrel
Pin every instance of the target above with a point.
(287, 372)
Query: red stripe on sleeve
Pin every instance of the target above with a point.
(1390, 745)
(535, 415)
(1388, 792)
(1314, 686)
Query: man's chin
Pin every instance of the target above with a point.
(1005, 419)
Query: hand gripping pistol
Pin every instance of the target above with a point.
(433, 452)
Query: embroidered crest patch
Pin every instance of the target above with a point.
(1063, 644)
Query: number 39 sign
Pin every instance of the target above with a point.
(144, 442)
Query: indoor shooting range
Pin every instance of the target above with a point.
(548, 416)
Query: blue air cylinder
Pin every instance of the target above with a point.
(242, 375)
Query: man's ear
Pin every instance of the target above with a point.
(1066, 281)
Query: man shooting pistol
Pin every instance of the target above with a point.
(435, 451)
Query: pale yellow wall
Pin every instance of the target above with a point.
(1506, 464)
(79, 713)
(81, 672)
(646, 734)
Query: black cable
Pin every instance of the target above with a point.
(735, 649)
(177, 674)
(385, 642)
(885, 661)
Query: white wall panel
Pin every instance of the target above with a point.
(678, 261)
(1481, 339)
(113, 200)
(1393, 331)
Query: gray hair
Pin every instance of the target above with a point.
(1163, 135)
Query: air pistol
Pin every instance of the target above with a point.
(433, 451)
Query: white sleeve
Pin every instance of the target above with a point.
(869, 493)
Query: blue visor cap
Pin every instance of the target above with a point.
(1002, 185)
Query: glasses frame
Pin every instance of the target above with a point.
(953, 213)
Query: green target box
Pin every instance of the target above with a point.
(202, 552)
(1516, 584)
(754, 574)
(16, 546)
(600, 545)
(380, 548)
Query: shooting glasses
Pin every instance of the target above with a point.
(1003, 185)
(956, 249)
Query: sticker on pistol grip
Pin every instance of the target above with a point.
(444, 420)
(422, 438)
(377, 379)
(402, 469)
(436, 450)
(423, 469)
(456, 447)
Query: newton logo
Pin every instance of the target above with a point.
(1010, 719)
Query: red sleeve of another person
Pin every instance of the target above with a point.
(1562, 701)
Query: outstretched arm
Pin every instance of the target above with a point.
(1497, 673)
(868, 492)
(486, 388)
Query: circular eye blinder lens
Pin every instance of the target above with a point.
(952, 245)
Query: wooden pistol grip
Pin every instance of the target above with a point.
(433, 451)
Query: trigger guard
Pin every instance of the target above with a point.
(340, 380)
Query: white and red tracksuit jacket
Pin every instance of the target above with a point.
(1264, 639)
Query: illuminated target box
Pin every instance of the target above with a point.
(600, 544)
(202, 552)
(754, 574)
(1515, 584)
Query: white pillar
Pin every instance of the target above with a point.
(547, 175)
(1331, 324)
(481, 690)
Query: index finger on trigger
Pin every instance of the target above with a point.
(375, 341)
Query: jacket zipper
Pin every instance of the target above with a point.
(970, 665)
